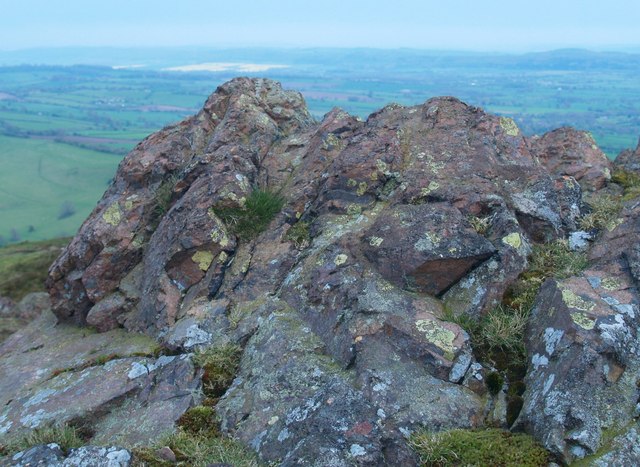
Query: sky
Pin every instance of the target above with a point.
(482, 25)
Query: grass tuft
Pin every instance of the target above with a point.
(247, 222)
(604, 212)
(220, 365)
(200, 420)
(65, 436)
(197, 451)
(478, 447)
(630, 181)
(299, 234)
(24, 266)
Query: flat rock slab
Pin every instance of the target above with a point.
(108, 382)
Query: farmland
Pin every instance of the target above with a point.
(65, 127)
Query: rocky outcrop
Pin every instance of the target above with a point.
(568, 152)
(389, 227)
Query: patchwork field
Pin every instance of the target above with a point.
(64, 127)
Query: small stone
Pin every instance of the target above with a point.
(165, 453)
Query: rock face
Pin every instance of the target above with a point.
(629, 160)
(402, 220)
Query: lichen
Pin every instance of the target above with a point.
(340, 259)
(203, 259)
(513, 240)
(362, 188)
(112, 215)
(375, 241)
(354, 209)
(509, 126)
(582, 320)
(574, 301)
(440, 336)
(429, 189)
(610, 283)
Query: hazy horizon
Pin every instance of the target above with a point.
(490, 26)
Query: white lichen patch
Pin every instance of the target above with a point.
(551, 338)
(112, 215)
(430, 241)
(382, 166)
(203, 259)
(509, 126)
(41, 397)
(340, 259)
(539, 360)
(375, 241)
(438, 335)
(514, 240)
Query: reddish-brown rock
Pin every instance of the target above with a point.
(573, 153)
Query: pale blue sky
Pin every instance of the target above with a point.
(496, 25)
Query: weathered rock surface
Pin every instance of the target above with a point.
(107, 383)
(629, 160)
(569, 152)
(410, 216)
(584, 350)
(51, 455)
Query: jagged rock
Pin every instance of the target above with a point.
(411, 215)
(56, 374)
(584, 348)
(566, 151)
(629, 160)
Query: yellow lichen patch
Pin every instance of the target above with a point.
(509, 126)
(606, 171)
(373, 176)
(362, 188)
(375, 241)
(351, 183)
(381, 165)
(513, 240)
(128, 205)
(610, 283)
(112, 215)
(354, 210)
(582, 320)
(138, 241)
(429, 189)
(211, 213)
(223, 257)
(331, 141)
(614, 223)
(203, 259)
(438, 335)
(574, 301)
(340, 259)
(298, 214)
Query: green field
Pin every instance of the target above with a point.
(64, 127)
(47, 189)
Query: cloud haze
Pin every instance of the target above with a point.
(489, 25)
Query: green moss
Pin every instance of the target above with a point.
(65, 436)
(630, 181)
(24, 266)
(478, 448)
(298, 233)
(220, 365)
(514, 406)
(163, 196)
(494, 382)
(248, 221)
(200, 420)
